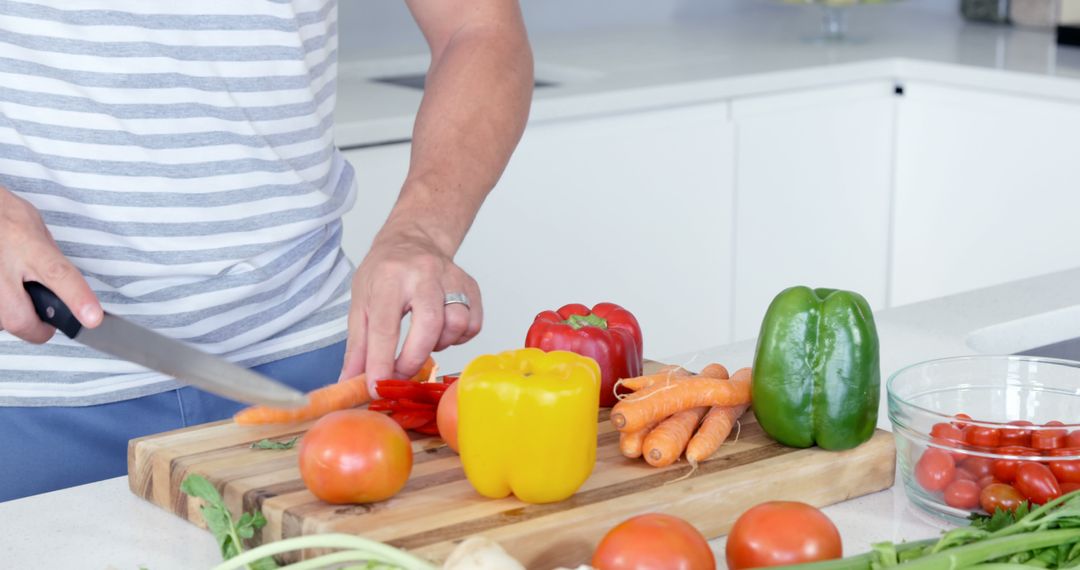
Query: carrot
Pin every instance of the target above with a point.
(657, 402)
(666, 443)
(330, 398)
(714, 429)
(664, 376)
(715, 370)
(630, 442)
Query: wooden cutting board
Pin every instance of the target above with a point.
(438, 508)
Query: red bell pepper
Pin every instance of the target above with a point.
(607, 333)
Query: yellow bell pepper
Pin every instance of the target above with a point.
(527, 422)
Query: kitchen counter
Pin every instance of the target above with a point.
(102, 525)
(718, 54)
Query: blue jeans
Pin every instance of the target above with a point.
(44, 449)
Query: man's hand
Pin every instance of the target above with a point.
(28, 253)
(476, 102)
(406, 272)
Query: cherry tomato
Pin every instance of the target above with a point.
(1066, 471)
(978, 466)
(935, 469)
(949, 436)
(1005, 469)
(1074, 439)
(961, 425)
(1049, 438)
(1036, 482)
(653, 541)
(780, 533)
(962, 494)
(983, 436)
(446, 416)
(1067, 488)
(986, 481)
(1000, 496)
(964, 475)
(355, 456)
(1016, 436)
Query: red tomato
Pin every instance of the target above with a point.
(1015, 436)
(962, 494)
(1067, 488)
(1066, 471)
(978, 466)
(964, 475)
(935, 469)
(1005, 469)
(961, 425)
(983, 436)
(780, 533)
(653, 541)
(1074, 439)
(355, 456)
(950, 436)
(1036, 482)
(987, 481)
(1000, 496)
(1049, 438)
(447, 416)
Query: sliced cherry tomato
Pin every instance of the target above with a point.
(978, 466)
(1074, 439)
(1000, 496)
(1066, 471)
(935, 469)
(1016, 436)
(1049, 438)
(962, 494)
(1036, 482)
(412, 419)
(987, 481)
(983, 436)
(1004, 470)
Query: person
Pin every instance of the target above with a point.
(174, 164)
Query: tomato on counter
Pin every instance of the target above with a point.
(654, 541)
(781, 533)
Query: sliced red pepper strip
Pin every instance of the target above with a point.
(412, 419)
(430, 428)
(405, 404)
(381, 405)
(448, 379)
(397, 393)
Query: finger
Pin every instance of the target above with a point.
(424, 329)
(356, 342)
(17, 315)
(385, 308)
(476, 311)
(455, 323)
(53, 270)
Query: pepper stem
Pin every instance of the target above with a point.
(590, 320)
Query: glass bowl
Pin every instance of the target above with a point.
(937, 446)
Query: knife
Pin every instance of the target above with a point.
(128, 341)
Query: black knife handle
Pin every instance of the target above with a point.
(51, 309)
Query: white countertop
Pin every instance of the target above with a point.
(721, 54)
(102, 525)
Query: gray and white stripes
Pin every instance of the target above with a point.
(182, 155)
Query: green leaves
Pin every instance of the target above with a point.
(1000, 519)
(230, 536)
(269, 444)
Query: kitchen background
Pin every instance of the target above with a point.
(691, 159)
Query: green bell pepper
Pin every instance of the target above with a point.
(817, 373)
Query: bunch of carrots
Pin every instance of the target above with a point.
(674, 411)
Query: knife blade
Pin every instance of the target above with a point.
(129, 341)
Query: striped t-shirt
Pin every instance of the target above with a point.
(182, 155)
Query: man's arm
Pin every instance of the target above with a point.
(475, 105)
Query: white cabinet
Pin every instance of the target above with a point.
(987, 190)
(812, 195)
(634, 209)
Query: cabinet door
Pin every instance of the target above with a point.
(987, 191)
(812, 195)
(634, 209)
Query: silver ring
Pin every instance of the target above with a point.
(458, 298)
